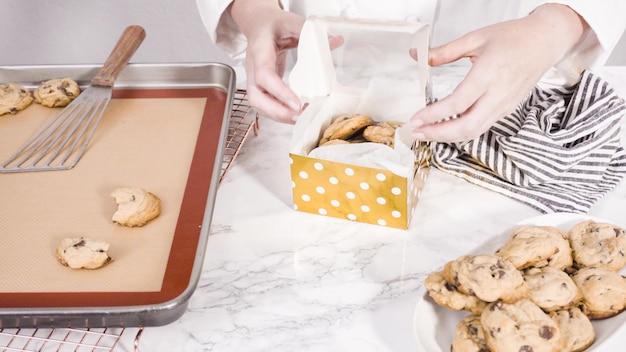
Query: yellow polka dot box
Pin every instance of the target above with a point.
(352, 155)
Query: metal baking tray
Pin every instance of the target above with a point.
(183, 268)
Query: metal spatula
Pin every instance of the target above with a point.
(63, 141)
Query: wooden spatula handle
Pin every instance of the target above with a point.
(119, 57)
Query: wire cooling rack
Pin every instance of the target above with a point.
(66, 340)
(238, 129)
(119, 339)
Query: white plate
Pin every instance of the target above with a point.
(434, 325)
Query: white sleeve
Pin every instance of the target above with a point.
(221, 27)
(606, 24)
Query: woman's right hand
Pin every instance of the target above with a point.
(271, 32)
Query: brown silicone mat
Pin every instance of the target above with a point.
(163, 140)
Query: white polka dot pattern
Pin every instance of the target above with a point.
(352, 192)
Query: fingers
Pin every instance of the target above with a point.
(270, 108)
(461, 99)
(273, 99)
(335, 41)
(464, 127)
(267, 92)
(270, 32)
(472, 117)
(452, 51)
(508, 59)
(476, 101)
(475, 104)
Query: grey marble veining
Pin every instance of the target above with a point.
(275, 279)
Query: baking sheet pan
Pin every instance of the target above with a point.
(164, 130)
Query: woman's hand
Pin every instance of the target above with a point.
(508, 59)
(271, 32)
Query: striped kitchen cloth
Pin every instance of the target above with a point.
(560, 151)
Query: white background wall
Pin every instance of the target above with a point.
(34, 32)
(84, 31)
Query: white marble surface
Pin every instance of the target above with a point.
(275, 279)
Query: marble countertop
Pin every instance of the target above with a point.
(275, 279)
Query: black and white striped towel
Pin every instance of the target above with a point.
(560, 151)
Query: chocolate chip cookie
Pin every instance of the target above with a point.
(520, 327)
(599, 245)
(335, 142)
(135, 206)
(14, 98)
(447, 295)
(537, 246)
(469, 336)
(56, 92)
(551, 289)
(577, 332)
(603, 292)
(382, 132)
(345, 127)
(486, 276)
(83, 253)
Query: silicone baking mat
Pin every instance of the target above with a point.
(162, 140)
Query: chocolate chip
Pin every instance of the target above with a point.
(496, 305)
(472, 329)
(450, 287)
(79, 244)
(546, 333)
(526, 348)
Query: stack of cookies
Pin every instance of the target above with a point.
(359, 128)
(538, 292)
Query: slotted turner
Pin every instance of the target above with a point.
(63, 141)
